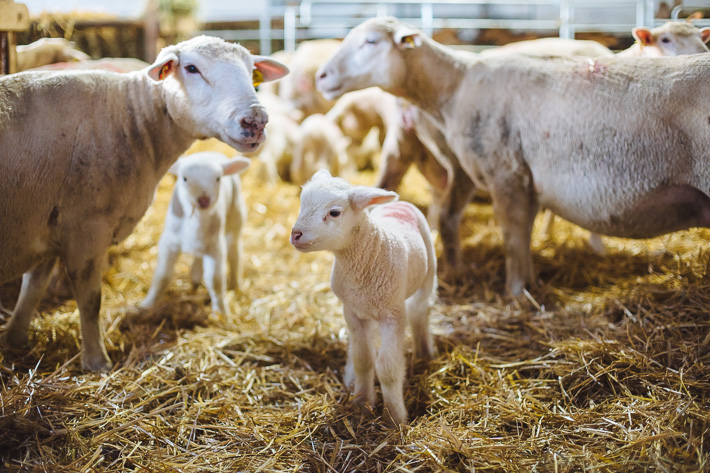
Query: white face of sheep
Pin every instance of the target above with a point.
(672, 40)
(331, 209)
(209, 85)
(370, 55)
(199, 177)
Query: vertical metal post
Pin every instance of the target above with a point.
(151, 31)
(427, 11)
(290, 28)
(265, 29)
(566, 19)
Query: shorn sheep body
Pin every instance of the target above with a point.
(81, 153)
(384, 273)
(205, 220)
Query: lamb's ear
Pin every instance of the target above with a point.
(267, 69)
(407, 38)
(320, 174)
(236, 165)
(175, 168)
(164, 65)
(361, 197)
(643, 35)
(705, 34)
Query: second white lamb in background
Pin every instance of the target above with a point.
(384, 273)
(205, 220)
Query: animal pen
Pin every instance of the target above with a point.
(603, 365)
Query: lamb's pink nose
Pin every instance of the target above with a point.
(295, 235)
(203, 202)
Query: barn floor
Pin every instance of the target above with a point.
(605, 367)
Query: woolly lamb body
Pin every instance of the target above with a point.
(384, 273)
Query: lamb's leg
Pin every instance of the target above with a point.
(360, 369)
(167, 256)
(234, 256)
(34, 283)
(196, 271)
(215, 279)
(390, 368)
(418, 308)
(85, 274)
(515, 208)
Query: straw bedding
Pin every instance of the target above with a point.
(604, 366)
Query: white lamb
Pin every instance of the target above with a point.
(384, 272)
(205, 220)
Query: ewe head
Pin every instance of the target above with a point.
(199, 177)
(672, 39)
(208, 85)
(331, 211)
(370, 55)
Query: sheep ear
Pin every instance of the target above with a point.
(236, 165)
(361, 197)
(165, 65)
(175, 168)
(407, 38)
(643, 35)
(267, 69)
(321, 174)
(705, 34)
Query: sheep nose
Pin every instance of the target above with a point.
(203, 202)
(296, 235)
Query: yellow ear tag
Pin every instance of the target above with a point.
(164, 71)
(257, 77)
(409, 40)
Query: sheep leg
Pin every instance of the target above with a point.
(234, 253)
(85, 275)
(196, 271)
(418, 308)
(460, 194)
(360, 368)
(515, 207)
(34, 284)
(548, 223)
(167, 257)
(214, 275)
(391, 367)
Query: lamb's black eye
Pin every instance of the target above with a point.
(371, 40)
(665, 40)
(218, 179)
(184, 179)
(192, 69)
(334, 213)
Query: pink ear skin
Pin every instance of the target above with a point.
(363, 197)
(643, 35)
(164, 68)
(235, 166)
(270, 69)
(705, 34)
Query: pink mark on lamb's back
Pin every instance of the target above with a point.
(402, 211)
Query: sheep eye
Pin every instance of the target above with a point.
(192, 69)
(334, 213)
(218, 179)
(184, 179)
(371, 40)
(665, 40)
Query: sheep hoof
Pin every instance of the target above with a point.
(97, 364)
(13, 341)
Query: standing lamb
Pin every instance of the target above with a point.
(320, 145)
(384, 273)
(204, 219)
(637, 167)
(81, 153)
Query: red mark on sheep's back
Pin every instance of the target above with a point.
(402, 211)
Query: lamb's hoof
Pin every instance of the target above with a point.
(394, 417)
(97, 364)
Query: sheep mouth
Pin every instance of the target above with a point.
(302, 246)
(246, 142)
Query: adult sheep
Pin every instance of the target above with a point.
(82, 152)
(636, 167)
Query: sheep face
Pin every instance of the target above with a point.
(199, 177)
(672, 39)
(370, 55)
(331, 212)
(209, 89)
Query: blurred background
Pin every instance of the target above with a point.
(138, 28)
